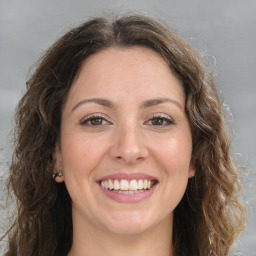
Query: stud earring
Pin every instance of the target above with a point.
(57, 174)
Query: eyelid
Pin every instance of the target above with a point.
(94, 115)
(163, 116)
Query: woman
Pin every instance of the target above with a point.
(122, 149)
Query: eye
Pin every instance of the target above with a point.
(94, 120)
(160, 121)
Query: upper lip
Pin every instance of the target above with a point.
(128, 176)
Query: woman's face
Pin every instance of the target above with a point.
(125, 146)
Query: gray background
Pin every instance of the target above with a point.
(225, 30)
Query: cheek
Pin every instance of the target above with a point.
(174, 158)
(81, 155)
(175, 155)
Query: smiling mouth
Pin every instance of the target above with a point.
(124, 186)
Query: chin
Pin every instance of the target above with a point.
(129, 223)
(128, 229)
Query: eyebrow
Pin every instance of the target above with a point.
(100, 101)
(157, 101)
(145, 104)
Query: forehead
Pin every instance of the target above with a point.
(136, 71)
(125, 58)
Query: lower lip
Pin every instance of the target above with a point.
(128, 198)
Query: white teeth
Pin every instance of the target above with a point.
(140, 184)
(130, 192)
(133, 186)
(116, 185)
(110, 184)
(105, 182)
(145, 184)
(124, 185)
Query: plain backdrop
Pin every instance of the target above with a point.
(225, 31)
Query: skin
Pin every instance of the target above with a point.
(125, 140)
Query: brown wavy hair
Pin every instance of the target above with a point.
(210, 215)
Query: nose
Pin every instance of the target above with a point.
(129, 145)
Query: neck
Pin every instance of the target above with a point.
(91, 241)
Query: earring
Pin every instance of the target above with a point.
(57, 174)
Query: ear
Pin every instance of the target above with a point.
(191, 170)
(58, 163)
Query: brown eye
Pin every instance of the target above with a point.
(157, 121)
(94, 121)
(161, 121)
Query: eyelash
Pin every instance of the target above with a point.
(168, 121)
(91, 118)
